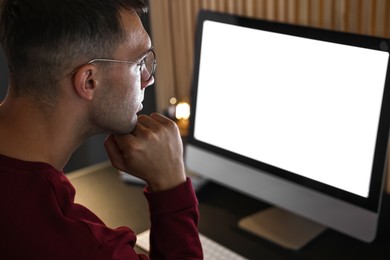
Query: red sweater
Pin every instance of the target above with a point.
(39, 220)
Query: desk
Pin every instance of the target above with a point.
(119, 204)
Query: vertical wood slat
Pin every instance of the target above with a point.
(249, 8)
(359, 14)
(365, 12)
(176, 28)
(282, 11)
(296, 11)
(373, 4)
(320, 13)
(352, 21)
(386, 27)
(315, 13)
(181, 45)
(258, 8)
(162, 42)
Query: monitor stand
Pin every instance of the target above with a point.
(282, 227)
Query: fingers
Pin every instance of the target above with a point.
(160, 118)
(154, 119)
(114, 153)
(142, 126)
(154, 122)
(147, 122)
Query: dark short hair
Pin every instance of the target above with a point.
(43, 38)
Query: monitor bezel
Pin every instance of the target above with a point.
(372, 202)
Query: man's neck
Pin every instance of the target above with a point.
(31, 135)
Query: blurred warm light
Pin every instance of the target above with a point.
(183, 111)
(173, 101)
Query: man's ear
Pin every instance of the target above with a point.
(85, 82)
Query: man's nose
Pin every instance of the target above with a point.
(146, 84)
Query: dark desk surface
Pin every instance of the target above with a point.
(120, 204)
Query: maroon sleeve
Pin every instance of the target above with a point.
(174, 219)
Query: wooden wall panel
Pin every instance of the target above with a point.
(162, 42)
(173, 29)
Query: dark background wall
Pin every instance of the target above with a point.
(92, 151)
(3, 75)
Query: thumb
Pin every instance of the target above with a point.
(114, 153)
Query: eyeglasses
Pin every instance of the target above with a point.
(147, 65)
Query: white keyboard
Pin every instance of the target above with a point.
(211, 249)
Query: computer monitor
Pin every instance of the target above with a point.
(294, 116)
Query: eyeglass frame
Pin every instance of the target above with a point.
(140, 64)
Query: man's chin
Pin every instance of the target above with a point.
(123, 129)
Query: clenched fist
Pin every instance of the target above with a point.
(152, 152)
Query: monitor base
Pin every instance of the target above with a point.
(282, 227)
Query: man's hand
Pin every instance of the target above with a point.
(152, 152)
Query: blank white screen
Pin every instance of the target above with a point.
(306, 106)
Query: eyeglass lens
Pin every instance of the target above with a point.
(149, 66)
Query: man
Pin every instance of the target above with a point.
(78, 68)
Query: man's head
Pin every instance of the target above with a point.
(44, 39)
